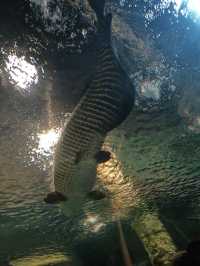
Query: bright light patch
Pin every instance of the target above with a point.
(22, 73)
(42, 147)
(47, 141)
(194, 6)
(151, 89)
(93, 223)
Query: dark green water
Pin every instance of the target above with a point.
(158, 160)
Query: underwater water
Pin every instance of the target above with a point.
(153, 177)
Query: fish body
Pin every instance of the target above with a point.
(108, 100)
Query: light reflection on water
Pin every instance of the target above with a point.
(158, 169)
(194, 6)
(185, 7)
(47, 141)
(141, 156)
(93, 223)
(22, 74)
(41, 147)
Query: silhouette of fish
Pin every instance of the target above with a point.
(107, 102)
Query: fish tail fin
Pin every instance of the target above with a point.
(98, 6)
(104, 20)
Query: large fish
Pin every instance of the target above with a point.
(108, 100)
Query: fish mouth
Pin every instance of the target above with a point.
(54, 198)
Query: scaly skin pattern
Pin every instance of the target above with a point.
(105, 105)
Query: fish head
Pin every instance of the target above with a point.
(84, 176)
(80, 184)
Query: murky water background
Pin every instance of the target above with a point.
(153, 176)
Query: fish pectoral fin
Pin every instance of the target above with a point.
(54, 197)
(96, 195)
(102, 156)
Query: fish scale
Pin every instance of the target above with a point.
(107, 102)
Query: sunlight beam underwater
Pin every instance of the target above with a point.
(193, 6)
(47, 141)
